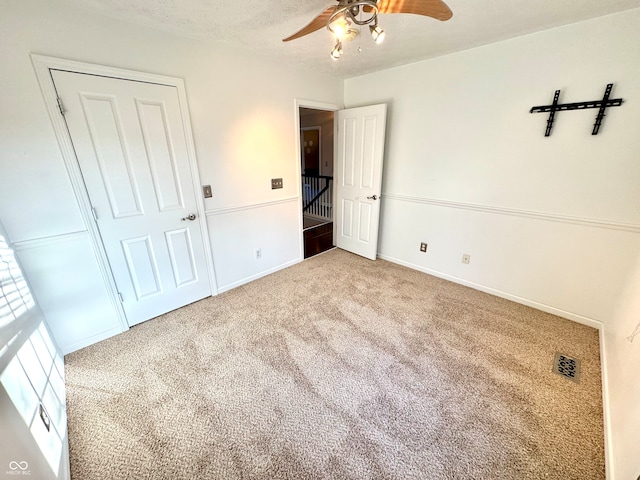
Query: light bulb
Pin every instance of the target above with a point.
(340, 27)
(336, 53)
(377, 34)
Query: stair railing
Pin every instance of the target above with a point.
(317, 196)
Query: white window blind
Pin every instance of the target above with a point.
(15, 297)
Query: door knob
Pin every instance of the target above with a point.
(373, 197)
(191, 216)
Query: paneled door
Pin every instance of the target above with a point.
(131, 145)
(359, 178)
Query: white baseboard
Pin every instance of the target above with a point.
(85, 342)
(230, 286)
(590, 322)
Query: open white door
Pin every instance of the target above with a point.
(359, 178)
(130, 142)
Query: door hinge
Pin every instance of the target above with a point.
(120, 297)
(60, 106)
(95, 215)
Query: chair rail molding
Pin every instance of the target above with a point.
(551, 217)
(38, 242)
(249, 206)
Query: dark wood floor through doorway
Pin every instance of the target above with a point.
(318, 239)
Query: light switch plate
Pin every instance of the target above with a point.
(276, 183)
(206, 190)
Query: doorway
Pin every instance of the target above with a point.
(316, 159)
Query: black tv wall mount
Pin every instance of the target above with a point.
(601, 105)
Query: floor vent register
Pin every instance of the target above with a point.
(567, 367)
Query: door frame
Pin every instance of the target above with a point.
(42, 65)
(332, 107)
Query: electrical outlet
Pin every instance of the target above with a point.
(466, 258)
(258, 253)
(45, 418)
(423, 247)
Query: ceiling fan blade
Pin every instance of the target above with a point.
(430, 8)
(315, 24)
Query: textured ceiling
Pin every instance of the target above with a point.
(260, 26)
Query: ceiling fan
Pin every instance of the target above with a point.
(339, 18)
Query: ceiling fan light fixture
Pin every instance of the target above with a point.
(349, 13)
(377, 34)
(340, 27)
(336, 53)
(365, 12)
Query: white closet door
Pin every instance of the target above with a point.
(131, 146)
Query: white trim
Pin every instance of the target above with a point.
(44, 62)
(606, 412)
(297, 105)
(301, 103)
(85, 342)
(249, 206)
(43, 65)
(552, 217)
(264, 273)
(197, 184)
(23, 245)
(590, 322)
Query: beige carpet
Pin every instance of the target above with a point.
(339, 368)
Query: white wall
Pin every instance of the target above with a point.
(243, 119)
(622, 347)
(551, 222)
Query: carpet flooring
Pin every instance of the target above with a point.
(339, 368)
